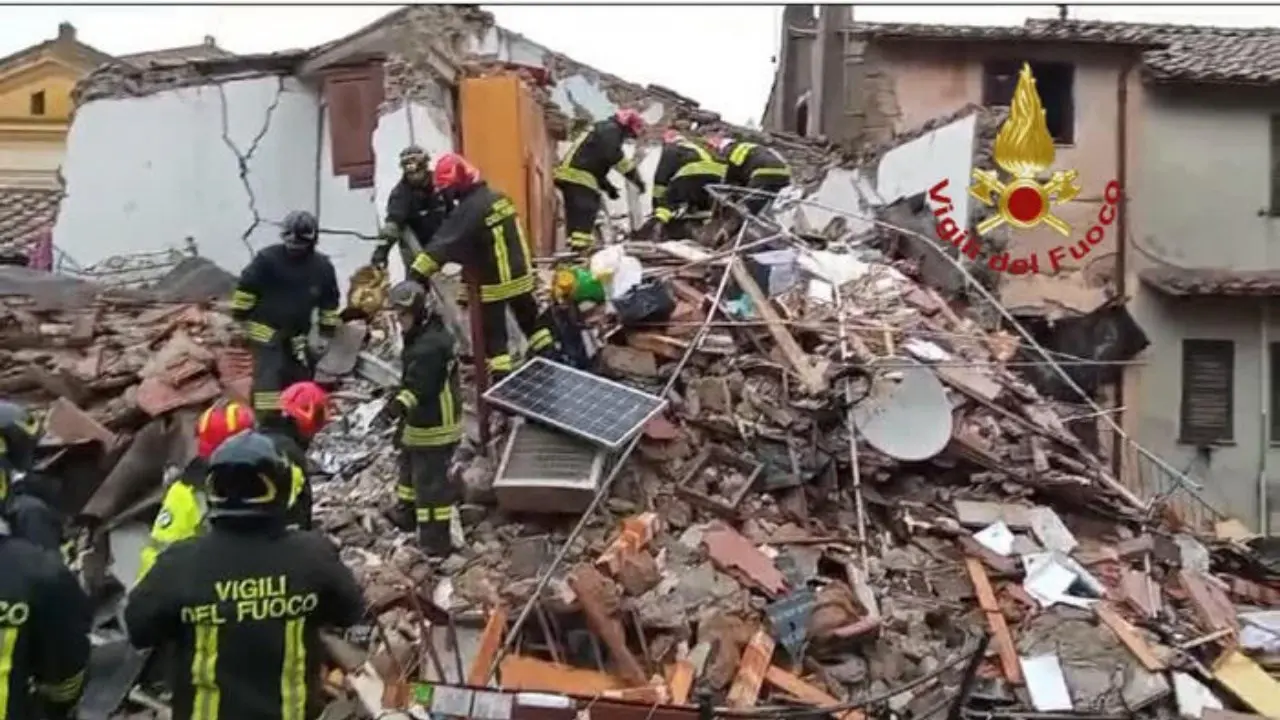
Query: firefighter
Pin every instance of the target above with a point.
(484, 233)
(685, 169)
(274, 301)
(28, 500)
(306, 405)
(428, 407)
(413, 205)
(45, 619)
(755, 167)
(184, 509)
(243, 603)
(584, 173)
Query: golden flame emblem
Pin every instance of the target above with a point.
(1024, 149)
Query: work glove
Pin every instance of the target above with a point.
(380, 255)
(611, 191)
(319, 345)
(388, 415)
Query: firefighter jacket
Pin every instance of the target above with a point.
(44, 632)
(416, 207)
(243, 605)
(184, 509)
(593, 154)
(429, 391)
(682, 159)
(482, 233)
(748, 161)
(31, 512)
(277, 293)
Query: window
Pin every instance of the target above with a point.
(1054, 81)
(802, 117)
(37, 103)
(353, 96)
(1275, 165)
(1207, 386)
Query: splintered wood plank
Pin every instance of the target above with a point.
(1128, 635)
(680, 681)
(755, 662)
(490, 640)
(1009, 662)
(791, 684)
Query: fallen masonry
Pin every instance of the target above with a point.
(960, 549)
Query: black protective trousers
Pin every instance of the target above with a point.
(766, 183)
(497, 351)
(690, 192)
(581, 206)
(275, 367)
(424, 483)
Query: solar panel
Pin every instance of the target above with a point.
(576, 402)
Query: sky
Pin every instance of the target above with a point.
(720, 55)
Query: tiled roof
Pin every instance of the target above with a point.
(170, 56)
(1182, 281)
(1176, 53)
(23, 213)
(1196, 53)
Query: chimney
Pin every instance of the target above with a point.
(66, 32)
(1062, 12)
(210, 41)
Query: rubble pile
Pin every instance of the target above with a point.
(753, 549)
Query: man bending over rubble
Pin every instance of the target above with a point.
(484, 233)
(752, 166)
(413, 205)
(243, 603)
(273, 303)
(685, 169)
(584, 173)
(25, 500)
(184, 510)
(429, 409)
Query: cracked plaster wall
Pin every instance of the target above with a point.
(143, 173)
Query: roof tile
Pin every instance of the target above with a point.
(23, 213)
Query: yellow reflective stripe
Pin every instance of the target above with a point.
(504, 291)
(424, 264)
(701, 167)
(298, 480)
(404, 492)
(576, 176)
(772, 172)
(293, 673)
(524, 242)
(430, 437)
(329, 317)
(259, 331)
(442, 513)
(407, 399)
(540, 339)
(625, 165)
(663, 214)
(204, 674)
(699, 215)
(422, 515)
(65, 691)
(500, 256)
(572, 153)
(241, 300)
(8, 643)
(581, 239)
(447, 407)
(740, 153)
(659, 192)
(266, 400)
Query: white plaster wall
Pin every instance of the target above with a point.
(914, 167)
(144, 173)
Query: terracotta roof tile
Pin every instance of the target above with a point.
(24, 212)
(1176, 53)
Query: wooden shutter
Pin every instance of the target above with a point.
(353, 96)
(1275, 165)
(1207, 385)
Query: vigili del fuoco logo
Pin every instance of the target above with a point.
(1027, 198)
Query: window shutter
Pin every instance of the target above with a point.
(353, 96)
(1275, 165)
(1207, 387)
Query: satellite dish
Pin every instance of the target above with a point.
(906, 415)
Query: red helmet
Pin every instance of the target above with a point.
(307, 404)
(631, 120)
(719, 142)
(453, 172)
(224, 419)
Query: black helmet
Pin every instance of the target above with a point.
(300, 229)
(248, 476)
(415, 163)
(411, 296)
(19, 435)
